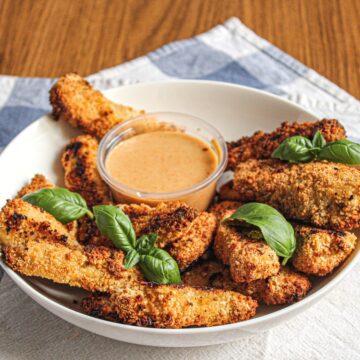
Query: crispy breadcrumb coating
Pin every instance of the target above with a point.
(320, 251)
(34, 243)
(261, 145)
(81, 174)
(74, 99)
(321, 193)
(190, 247)
(247, 254)
(285, 287)
(41, 182)
(171, 306)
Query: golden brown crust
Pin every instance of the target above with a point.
(21, 221)
(248, 256)
(73, 99)
(37, 182)
(171, 306)
(320, 251)
(261, 145)
(190, 247)
(81, 174)
(285, 287)
(89, 234)
(169, 220)
(36, 244)
(320, 193)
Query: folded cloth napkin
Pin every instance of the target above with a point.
(232, 53)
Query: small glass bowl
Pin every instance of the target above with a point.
(200, 194)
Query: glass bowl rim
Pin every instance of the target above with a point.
(172, 195)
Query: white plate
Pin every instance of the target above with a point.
(235, 111)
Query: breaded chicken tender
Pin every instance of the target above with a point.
(320, 251)
(321, 193)
(261, 145)
(285, 287)
(81, 174)
(182, 230)
(34, 243)
(171, 306)
(247, 254)
(74, 99)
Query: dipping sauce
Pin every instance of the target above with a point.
(161, 161)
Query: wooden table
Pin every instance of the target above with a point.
(52, 37)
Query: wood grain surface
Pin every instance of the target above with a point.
(52, 37)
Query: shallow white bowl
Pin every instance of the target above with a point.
(235, 111)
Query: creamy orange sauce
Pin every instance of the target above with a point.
(161, 161)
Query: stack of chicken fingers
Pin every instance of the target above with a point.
(226, 272)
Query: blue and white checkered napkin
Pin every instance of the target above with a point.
(232, 53)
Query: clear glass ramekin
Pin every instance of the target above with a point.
(200, 194)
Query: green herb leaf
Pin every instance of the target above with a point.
(158, 266)
(295, 149)
(277, 232)
(145, 243)
(64, 205)
(115, 225)
(131, 259)
(341, 151)
(318, 140)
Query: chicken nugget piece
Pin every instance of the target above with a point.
(320, 251)
(261, 145)
(247, 254)
(321, 193)
(171, 306)
(81, 174)
(34, 243)
(283, 288)
(37, 182)
(73, 99)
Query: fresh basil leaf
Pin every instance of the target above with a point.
(295, 149)
(158, 266)
(64, 205)
(318, 140)
(131, 259)
(115, 225)
(277, 232)
(145, 243)
(341, 151)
